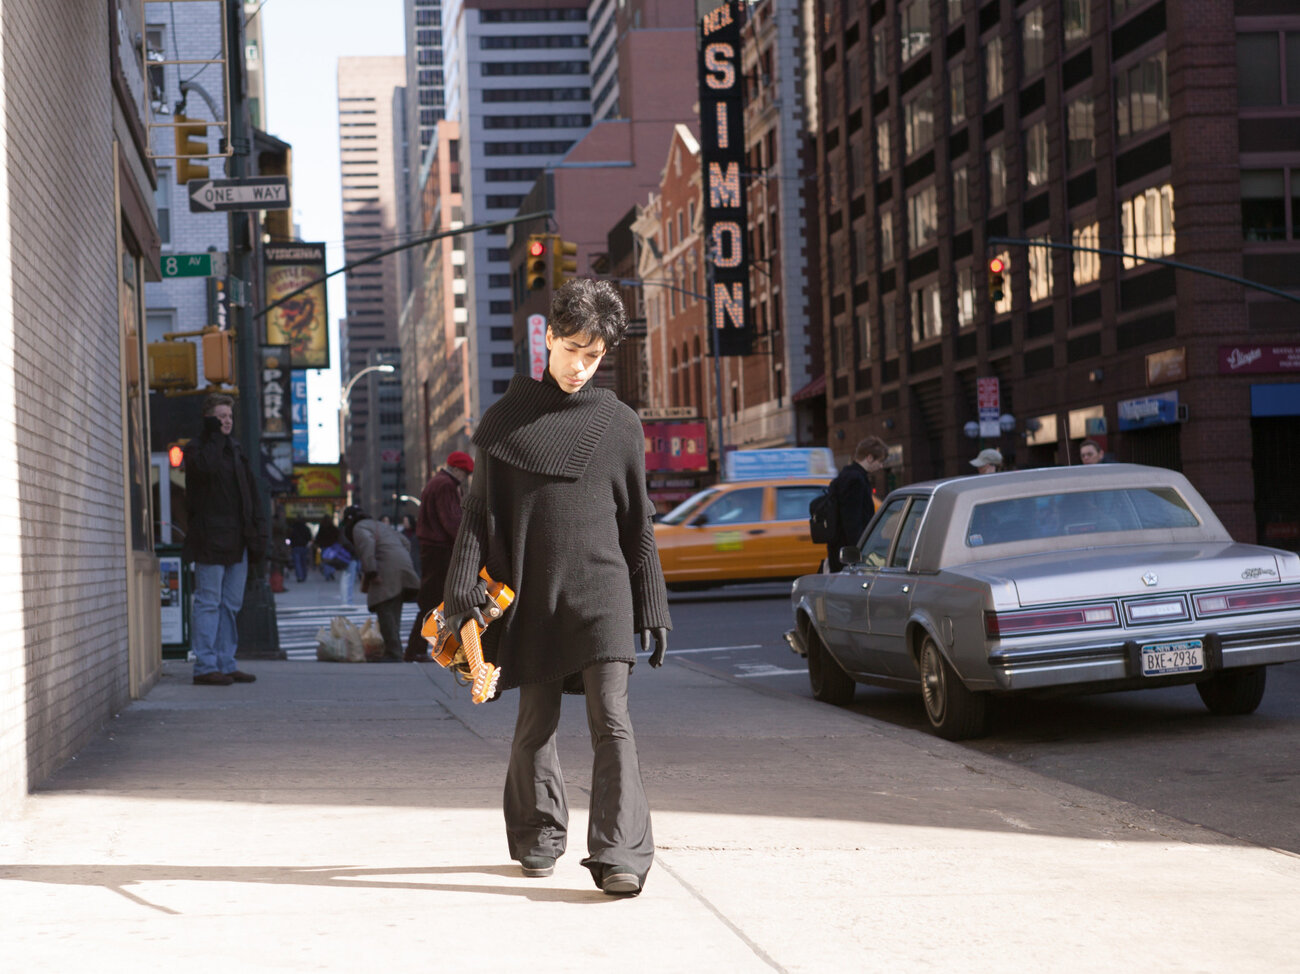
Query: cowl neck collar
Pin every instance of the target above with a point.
(539, 427)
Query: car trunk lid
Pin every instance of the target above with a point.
(1122, 572)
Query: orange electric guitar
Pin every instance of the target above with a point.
(462, 652)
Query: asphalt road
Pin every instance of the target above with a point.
(1158, 749)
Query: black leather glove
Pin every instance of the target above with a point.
(211, 425)
(477, 598)
(661, 645)
(457, 621)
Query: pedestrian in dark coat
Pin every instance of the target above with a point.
(227, 534)
(440, 516)
(387, 577)
(854, 496)
(559, 511)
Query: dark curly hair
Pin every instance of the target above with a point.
(589, 306)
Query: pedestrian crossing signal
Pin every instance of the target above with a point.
(175, 455)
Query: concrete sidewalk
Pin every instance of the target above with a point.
(337, 817)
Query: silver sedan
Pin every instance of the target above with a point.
(1078, 579)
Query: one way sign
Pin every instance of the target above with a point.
(255, 193)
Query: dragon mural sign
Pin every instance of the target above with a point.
(302, 322)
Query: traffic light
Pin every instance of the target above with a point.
(564, 262)
(191, 143)
(176, 453)
(535, 262)
(172, 365)
(218, 360)
(997, 280)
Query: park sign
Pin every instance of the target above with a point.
(722, 158)
(210, 264)
(253, 193)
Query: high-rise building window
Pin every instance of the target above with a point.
(960, 195)
(1141, 96)
(857, 166)
(860, 252)
(864, 337)
(927, 313)
(914, 29)
(1080, 133)
(1260, 57)
(1036, 154)
(993, 85)
(889, 327)
(1087, 266)
(887, 237)
(883, 156)
(918, 123)
(852, 80)
(922, 218)
(956, 93)
(965, 296)
(879, 56)
(997, 176)
(1263, 204)
(1040, 271)
(1147, 224)
(954, 12)
(1033, 50)
(1077, 21)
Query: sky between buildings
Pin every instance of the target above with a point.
(304, 40)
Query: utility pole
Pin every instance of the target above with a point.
(259, 634)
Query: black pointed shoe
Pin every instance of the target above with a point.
(536, 867)
(618, 881)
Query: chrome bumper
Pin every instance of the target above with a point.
(1036, 668)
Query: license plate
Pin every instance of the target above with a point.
(1161, 659)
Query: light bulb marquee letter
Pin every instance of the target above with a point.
(722, 157)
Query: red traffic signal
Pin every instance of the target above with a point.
(536, 248)
(175, 455)
(997, 265)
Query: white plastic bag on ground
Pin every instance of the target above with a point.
(349, 636)
(372, 640)
(328, 647)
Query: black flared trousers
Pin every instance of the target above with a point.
(536, 808)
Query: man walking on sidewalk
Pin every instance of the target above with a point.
(387, 577)
(440, 514)
(226, 534)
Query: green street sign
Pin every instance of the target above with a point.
(211, 264)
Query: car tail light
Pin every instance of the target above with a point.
(1250, 600)
(998, 624)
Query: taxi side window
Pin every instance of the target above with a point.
(792, 502)
(734, 507)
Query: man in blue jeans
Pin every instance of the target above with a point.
(226, 533)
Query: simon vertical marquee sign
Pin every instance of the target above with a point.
(722, 157)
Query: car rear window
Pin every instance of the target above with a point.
(1077, 512)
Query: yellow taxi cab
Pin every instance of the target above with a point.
(746, 530)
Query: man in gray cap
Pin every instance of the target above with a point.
(988, 461)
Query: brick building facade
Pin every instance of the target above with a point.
(1113, 124)
(80, 630)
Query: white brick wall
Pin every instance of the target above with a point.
(63, 615)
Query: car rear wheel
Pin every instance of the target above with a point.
(830, 684)
(955, 712)
(1234, 692)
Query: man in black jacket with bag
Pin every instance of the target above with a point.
(851, 493)
(226, 534)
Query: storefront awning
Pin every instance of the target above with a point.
(812, 390)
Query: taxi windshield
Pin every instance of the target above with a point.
(688, 507)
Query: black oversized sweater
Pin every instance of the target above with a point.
(558, 510)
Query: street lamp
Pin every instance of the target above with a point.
(343, 401)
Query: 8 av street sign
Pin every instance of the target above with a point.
(254, 193)
(211, 264)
